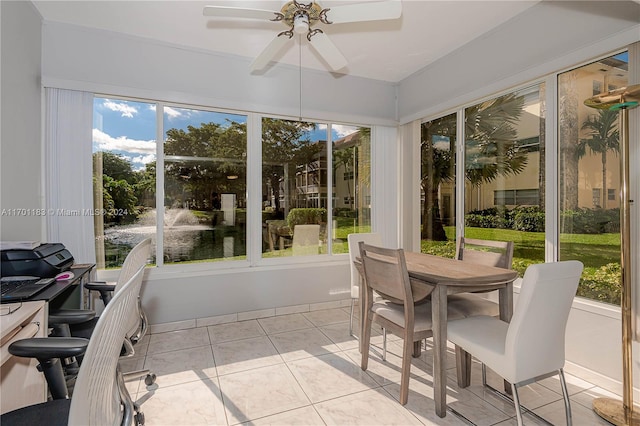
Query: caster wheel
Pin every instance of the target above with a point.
(150, 379)
(139, 419)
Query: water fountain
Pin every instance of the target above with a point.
(182, 233)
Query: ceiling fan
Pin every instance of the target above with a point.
(300, 18)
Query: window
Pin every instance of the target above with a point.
(597, 87)
(595, 196)
(516, 197)
(351, 153)
(205, 186)
(589, 165)
(201, 176)
(504, 172)
(295, 188)
(437, 185)
(124, 158)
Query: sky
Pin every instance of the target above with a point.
(128, 128)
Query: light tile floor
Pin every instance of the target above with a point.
(304, 369)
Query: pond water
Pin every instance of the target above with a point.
(185, 238)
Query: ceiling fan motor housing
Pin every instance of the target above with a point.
(293, 11)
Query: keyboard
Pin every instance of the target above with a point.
(22, 287)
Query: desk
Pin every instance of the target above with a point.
(441, 276)
(22, 384)
(60, 294)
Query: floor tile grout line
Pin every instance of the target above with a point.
(141, 391)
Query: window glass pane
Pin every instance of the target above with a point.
(352, 184)
(504, 173)
(294, 188)
(124, 158)
(205, 185)
(437, 186)
(589, 169)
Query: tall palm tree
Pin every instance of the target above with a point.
(604, 137)
(491, 151)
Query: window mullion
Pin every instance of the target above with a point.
(159, 184)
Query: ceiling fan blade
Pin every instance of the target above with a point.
(270, 52)
(238, 12)
(329, 52)
(360, 12)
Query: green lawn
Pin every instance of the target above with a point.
(600, 254)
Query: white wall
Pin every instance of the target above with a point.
(20, 121)
(101, 61)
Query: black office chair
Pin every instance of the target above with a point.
(100, 395)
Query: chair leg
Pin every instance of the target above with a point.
(463, 367)
(484, 375)
(516, 402)
(365, 340)
(565, 395)
(407, 353)
(353, 302)
(384, 344)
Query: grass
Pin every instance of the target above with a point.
(600, 254)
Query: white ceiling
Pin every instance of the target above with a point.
(381, 50)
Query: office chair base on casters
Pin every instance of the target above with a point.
(149, 378)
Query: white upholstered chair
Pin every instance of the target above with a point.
(532, 345)
(306, 240)
(371, 238)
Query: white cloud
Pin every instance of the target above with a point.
(123, 108)
(172, 113)
(143, 159)
(122, 143)
(342, 130)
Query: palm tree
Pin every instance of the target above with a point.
(491, 151)
(603, 129)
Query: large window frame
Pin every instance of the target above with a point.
(552, 178)
(254, 226)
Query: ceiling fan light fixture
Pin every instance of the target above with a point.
(301, 24)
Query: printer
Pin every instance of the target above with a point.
(45, 261)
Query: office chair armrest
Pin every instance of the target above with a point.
(70, 316)
(100, 286)
(49, 347)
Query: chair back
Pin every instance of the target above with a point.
(137, 257)
(97, 397)
(385, 272)
(485, 252)
(306, 240)
(371, 238)
(536, 334)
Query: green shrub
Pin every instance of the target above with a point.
(602, 284)
(528, 219)
(303, 216)
(590, 221)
